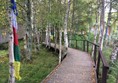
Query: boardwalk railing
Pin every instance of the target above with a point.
(100, 62)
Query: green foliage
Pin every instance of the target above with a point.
(4, 70)
(43, 62)
(90, 37)
(3, 14)
(107, 53)
(3, 52)
(113, 73)
(79, 42)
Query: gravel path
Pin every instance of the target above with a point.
(77, 67)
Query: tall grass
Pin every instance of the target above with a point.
(43, 62)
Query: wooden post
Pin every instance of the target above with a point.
(95, 51)
(83, 45)
(87, 46)
(104, 74)
(11, 49)
(76, 43)
(98, 65)
(11, 59)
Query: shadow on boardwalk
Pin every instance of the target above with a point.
(77, 67)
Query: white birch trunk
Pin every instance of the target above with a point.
(95, 36)
(102, 40)
(96, 28)
(108, 23)
(55, 36)
(32, 15)
(73, 15)
(114, 55)
(25, 37)
(38, 39)
(66, 24)
(102, 33)
(60, 45)
(35, 41)
(46, 37)
(25, 25)
(49, 35)
(11, 49)
(11, 58)
(29, 30)
(32, 25)
(49, 25)
(26, 43)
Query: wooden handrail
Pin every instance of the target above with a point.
(93, 43)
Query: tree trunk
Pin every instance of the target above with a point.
(49, 34)
(11, 59)
(46, 37)
(95, 36)
(108, 23)
(102, 29)
(26, 29)
(38, 39)
(32, 24)
(96, 28)
(55, 35)
(66, 24)
(29, 30)
(60, 45)
(73, 14)
(114, 54)
(11, 48)
(32, 14)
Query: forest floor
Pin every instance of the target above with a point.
(43, 62)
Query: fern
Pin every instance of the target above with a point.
(113, 72)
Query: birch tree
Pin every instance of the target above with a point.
(66, 24)
(47, 39)
(28, 37)
(72, 22)
(55, 35)
(11, 58)
(108, 26)
(60, 45)
(96, 26)
(102, 25)
(11, 52)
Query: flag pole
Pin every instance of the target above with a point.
(11, 59)
(11, 48)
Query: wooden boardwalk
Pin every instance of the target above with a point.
(77, 67)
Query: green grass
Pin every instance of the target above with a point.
(3, 53)
(43, 62)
